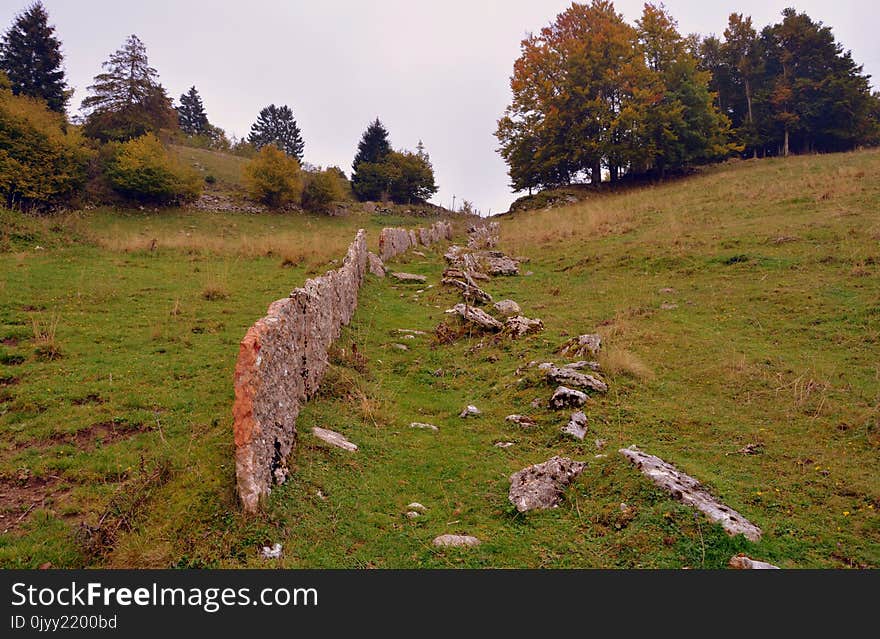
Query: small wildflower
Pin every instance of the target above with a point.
(846, 513)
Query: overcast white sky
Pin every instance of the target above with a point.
(430, 69)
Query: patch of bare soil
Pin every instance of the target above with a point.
(102, 433)
(21, 496)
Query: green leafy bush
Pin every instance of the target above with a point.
(273, 177)
(323, 188)
(141, 169)
(43, 159)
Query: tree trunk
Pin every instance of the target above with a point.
(614, 173)
(596, 174)
(785, 144)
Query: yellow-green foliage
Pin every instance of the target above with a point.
(323, 188)
(142, 169)
(273, 177)
(42, 158)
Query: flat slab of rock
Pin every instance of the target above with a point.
(519, 326)
(376, 266)
(456, 540)
(577, 366)
(508, 308)
(503, 444)
(582, 345)
(571, 377)
(741, 562)
(521, 420)
(689, 491)
(423, 426)
(334, 438)
(542, 485)
(409, 277)
(565, 397)
(577, 425)
(476, 316)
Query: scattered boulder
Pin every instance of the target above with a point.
(666, 291)
(409, 277)
(456, 540)
(271, 552)
(741, 562)
(577, 425)
(400, 347)
(689, 491)
(416, 506)
(572, 377)
(476, 316)
(601, 444)
(376, 266)
(542, 485)
(334, 438)
(668, 306)
(470, 411)
(582, 345)
(567, 397)
(500, 264)
(412, 514)
(521, 325)
(521, 420)
(538, 402)
(508, 308)
(503, 444)
(424, 426)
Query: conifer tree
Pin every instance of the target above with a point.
(191, 114)
(30, 54)
(374, 145)
(127, 100)
(276, 125)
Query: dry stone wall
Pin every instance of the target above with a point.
(283, 357)
(280, 363)
(394, 241)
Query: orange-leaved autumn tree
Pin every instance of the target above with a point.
(591, 92)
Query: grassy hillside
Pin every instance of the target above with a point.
(225, 167)
(739, 307)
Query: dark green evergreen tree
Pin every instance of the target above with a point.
(275, 125)
(191, 114)
(817, 96)
(30, 54)
(373, 149)
(127, 100)
(374, 145)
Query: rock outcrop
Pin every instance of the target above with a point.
(582, 345)
(565, 397)
(476, 316)
(571, 377)
(689, 491)
(520, 325)
(508, 308)
(577, 425)
(542, 485)
(281, 361)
